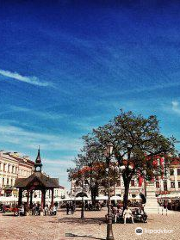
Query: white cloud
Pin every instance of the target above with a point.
(64, 162)
(31, 140)
(175, 107)
(175, 104)
(27, 79)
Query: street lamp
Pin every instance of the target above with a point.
(108, 153)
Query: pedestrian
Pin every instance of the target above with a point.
(67, 208)
(72, 208)
(46, 210)
(54, 210)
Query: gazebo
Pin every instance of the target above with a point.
(36, 181)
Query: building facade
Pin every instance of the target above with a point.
(168, 183)
(13, 166)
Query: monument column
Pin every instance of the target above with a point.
(151, 205)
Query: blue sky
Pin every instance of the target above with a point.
(69, 66)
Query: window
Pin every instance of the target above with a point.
(8, 168)
(3, 181)
(165, 185)
(157, 184)
(132, 183)
(118, 183)
(172, 184)
(12, 169)
(171, 171)
(178, 171)
(4, 167)
(178, 184)
(7, 181)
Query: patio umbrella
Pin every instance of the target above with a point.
(3, 199)
(81, 194)
(102, 198)
(116, 198)
(8, 199)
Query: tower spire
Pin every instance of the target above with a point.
(38, 163)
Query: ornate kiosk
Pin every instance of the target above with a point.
(36, 181)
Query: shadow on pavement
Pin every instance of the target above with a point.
(82, 236)
(82, 221)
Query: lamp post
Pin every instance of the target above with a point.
(108, 153)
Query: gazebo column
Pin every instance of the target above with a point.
(20, 197)
(44, 200)
(31, 194)
(43, 197)
(52, 198)
(28, 199)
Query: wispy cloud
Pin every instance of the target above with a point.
(64, 162)
(27, 79)
(143, 89)
(40, 114)
(29, 139)
(175, 107)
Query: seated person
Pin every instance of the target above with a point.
(119, 214)
(114, 212)
(127, 214)
(140, 211)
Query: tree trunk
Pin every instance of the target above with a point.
(126, 180)
(94, 193)
(126, 192)
(93, 197)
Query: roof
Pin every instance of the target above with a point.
(38, 158)
(175, 161)
(46, 181)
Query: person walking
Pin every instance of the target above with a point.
(54, 210)
(72, 208)
(67, 208)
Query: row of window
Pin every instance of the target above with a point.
(12, 169)
(8, 168)
(132, 183)
(172, 171)
(165, 185)
(8, 181)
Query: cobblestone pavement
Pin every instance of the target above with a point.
(71, 227)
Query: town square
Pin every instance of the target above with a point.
(89, 119)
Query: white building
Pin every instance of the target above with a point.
(12, 166)
(169, 182)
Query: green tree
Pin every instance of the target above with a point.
(91, 168)
(137, 143)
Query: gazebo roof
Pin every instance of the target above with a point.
(44, 180)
